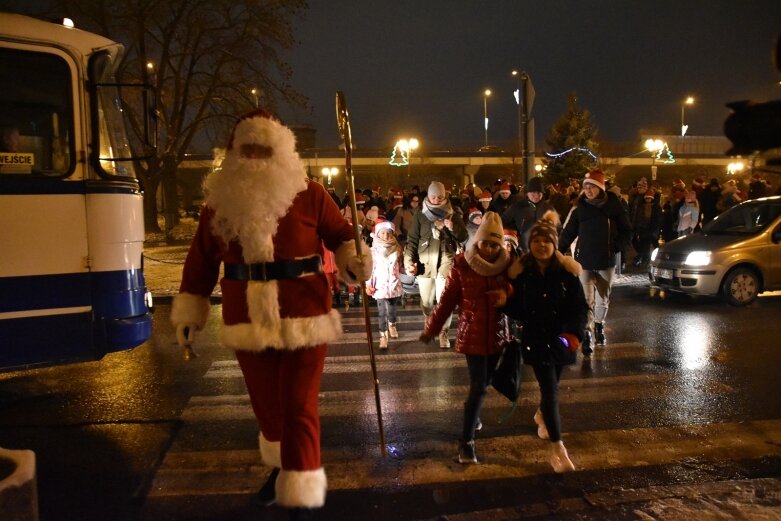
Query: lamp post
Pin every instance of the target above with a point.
(329, 172)
(688, 101)
(517, 94)
(254, 93)
(485, 113)
(655, 146)
(407, 146)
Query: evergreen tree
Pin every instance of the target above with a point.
(573, 132)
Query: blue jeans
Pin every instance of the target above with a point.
(386, 311)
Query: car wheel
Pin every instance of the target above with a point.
(741, 287)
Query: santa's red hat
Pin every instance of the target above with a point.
(505, 187)
(596, 178)
(511, 236)
(486, 196)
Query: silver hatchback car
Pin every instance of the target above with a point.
(737, 255)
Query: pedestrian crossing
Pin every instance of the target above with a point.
(422, 389)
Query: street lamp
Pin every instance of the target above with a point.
(688, 101)
(254, 93)
(330, 172)
(735, 168)
(655, 146)
(517, 94)
(407, 146)
(485, 112)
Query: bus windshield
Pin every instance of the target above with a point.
(113, 148)
(36, 114)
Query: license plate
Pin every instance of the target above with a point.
(663, 273)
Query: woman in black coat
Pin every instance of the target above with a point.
(548, 299)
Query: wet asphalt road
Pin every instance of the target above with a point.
(684, 395)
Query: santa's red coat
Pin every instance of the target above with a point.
(282, 314)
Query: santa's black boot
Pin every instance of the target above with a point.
(267, 495)
(301, 514)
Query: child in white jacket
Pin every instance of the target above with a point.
(385, 284)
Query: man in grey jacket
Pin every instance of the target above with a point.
(432, 243)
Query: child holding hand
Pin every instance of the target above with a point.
(479, 285)
(549, 302)
(385, 282)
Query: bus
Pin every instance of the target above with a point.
(71, 212)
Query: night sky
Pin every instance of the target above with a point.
(419, 68)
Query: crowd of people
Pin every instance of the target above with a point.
(499, 254)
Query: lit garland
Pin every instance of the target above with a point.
(579, 149)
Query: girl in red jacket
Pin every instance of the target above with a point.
(478, 284)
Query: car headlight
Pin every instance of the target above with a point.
(653, 254)
(698, 258)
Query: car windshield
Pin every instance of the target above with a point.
(744, 219)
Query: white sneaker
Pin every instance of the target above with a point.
(542, 430)
(383, 340)
(392, 330)
(444, 343)
(559, 459)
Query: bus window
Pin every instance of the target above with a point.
(36, 114)
(114, 152)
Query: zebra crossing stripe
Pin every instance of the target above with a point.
(352, 468)
(400, 400)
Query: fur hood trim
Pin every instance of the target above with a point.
(188, 308)
(565, 261)
(287, 333)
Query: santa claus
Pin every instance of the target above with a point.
(267, 223)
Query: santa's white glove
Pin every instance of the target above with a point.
(185, 336)
(359, 267)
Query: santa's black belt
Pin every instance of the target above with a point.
(285, 269)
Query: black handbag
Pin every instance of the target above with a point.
(507, 376)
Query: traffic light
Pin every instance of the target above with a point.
(753, 127)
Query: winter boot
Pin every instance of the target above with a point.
(599, 333)
(266, 496)
(383, 340)
(392, 330)
(559, 459)
(444, 343)
(479, 425)
(585, 347)
(466, 452)
(542, 430)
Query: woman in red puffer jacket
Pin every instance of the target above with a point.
(479, 285)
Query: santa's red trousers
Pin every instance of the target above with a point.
(283, 386)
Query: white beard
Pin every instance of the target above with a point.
(249, 196)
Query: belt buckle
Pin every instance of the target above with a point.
(258, 271)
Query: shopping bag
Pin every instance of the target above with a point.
(507, 376)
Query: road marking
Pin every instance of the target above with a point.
(402, 400)
(361, 467)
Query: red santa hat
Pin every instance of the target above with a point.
(649, 193)
(698, 182)
(505, 187)
(511, 236)
(678, 183)
(474, 213)
(360, 198)
(486, 196)
(382, 224)
(596, 178)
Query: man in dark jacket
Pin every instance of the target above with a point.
(601, 226)
(523, 213)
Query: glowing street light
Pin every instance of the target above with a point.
(655, 146)
(407, 146)
(734, 168)
(485, 112)
(517, 95)
(254, 93)
(330, 172)
(688, 101)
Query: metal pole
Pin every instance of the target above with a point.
(343, 121)
(485, 116)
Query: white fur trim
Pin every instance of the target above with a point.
(269, 452)
(301, 488)
(189, 308)
(343, 256)
(569, 264)
(263, 308)
(293, 333)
